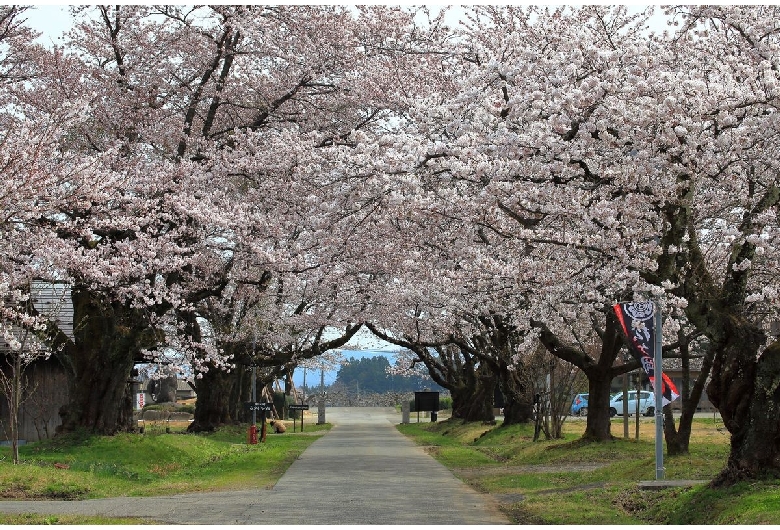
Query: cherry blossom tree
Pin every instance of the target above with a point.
(619, 161)
(39, 181)
(505, 159)
(211, 174)
(721, 227)
(268, 338)
(225, 127)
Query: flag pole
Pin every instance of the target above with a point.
(657, 388)
(641, 341)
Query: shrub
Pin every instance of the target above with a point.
(171, 407)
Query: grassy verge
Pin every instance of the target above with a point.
(546, 482)
(90, 467)
(36, 519)
(570, 482)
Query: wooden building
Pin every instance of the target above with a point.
(45, 380)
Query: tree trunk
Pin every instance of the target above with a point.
(677, 438)
(107, 338)
(600, 373)
(746, 392)
(599, 423)
(474, 401)
(744, 387)
(518, 401)
(518, 408)
(212, 409)
(472, 405)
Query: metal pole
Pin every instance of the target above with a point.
(254, 395)
(638, 393)
(658, 374)
(625, 406)
(254, 381)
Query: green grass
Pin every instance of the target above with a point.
(36, 519)
(546, 482)
(88, 467)
(571, 482)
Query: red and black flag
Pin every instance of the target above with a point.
(638, 322)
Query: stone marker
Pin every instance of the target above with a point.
(405, 408)
(321, 412)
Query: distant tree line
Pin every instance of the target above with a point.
(371, 375)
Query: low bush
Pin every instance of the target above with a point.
(170, 407)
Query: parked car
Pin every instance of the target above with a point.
(579, 406)
(646, 403)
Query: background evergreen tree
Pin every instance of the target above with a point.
(370, 374)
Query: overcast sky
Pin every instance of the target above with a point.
(53, 19)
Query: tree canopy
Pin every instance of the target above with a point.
(250, 185)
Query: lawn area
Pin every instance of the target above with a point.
(88, 467)
(546, 482)
(570, 482)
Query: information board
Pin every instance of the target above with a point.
(426, 401)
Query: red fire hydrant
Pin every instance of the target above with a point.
(252, 434)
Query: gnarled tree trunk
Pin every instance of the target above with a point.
(107, 339)
(518, 401)
(746, 391)
(212, 408)
(473, 401)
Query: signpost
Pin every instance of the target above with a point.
(426, 401)
(300, 407)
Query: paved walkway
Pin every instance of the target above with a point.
(362, 472)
